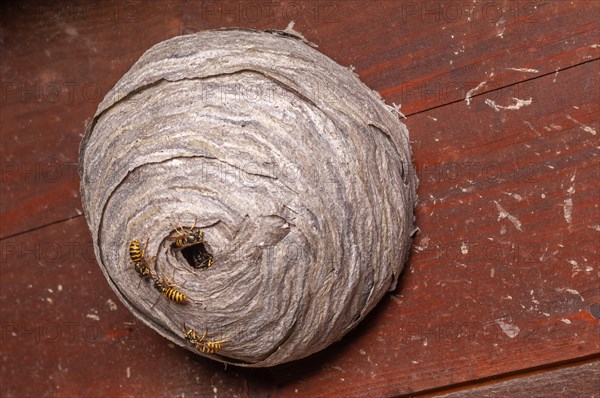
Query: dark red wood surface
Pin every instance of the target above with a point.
(504, 274)
(565, 381)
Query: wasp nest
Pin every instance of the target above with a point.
(248, 198)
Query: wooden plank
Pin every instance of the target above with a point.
(504, 273)
(438, 51)
(58, 63)
(64, 333)
(452, 320)
(571, 381)
(59, 60)
(426, 53)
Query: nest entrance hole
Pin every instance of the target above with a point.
(198, 256)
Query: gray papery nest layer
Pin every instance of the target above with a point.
(298, 174)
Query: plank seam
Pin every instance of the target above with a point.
(501, 377)
(501, 87)
(407, 116)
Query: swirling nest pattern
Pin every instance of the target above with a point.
(299, 175)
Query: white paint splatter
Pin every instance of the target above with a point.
(432, 118)
(93, 316)
(464, 249)
(510, 330)
(492, 272)
(527, 70)
(71, 31)
(501, 32)
(519, 103)
(585, 128)
(128, 371)
(596, 227)
(111, 305)
(504, 214)
(533, 129)
(565, 320)
(396, 299)
(472, 91)
(516, 196)
(568, 290)
(59, 288)
(575, 266)
(568, 210)
(423, 244)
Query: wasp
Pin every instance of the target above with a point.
(186, 238)
(167, 288)
(193, 246)
(209, 347)
(139, 261)
(198, 256)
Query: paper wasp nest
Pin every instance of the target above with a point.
(298, 174)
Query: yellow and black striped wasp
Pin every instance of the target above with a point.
(137, 256)
(199, 257)
(167, 288)
(209, 347)
(187, 237)
(193, 246)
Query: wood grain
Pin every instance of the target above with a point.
(60, 60)
(451, 320)
(570, 381)
(487, 294)
(65, 333)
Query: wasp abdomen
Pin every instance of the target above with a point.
(135, 252)
(210, 347)
(174, 295)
